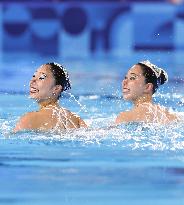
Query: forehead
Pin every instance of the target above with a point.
(136, 69)
(44, 69)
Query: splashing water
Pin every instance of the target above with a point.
(101, 131)
(82, 107)
(129, 137)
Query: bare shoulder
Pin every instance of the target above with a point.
(25, 122)
(79, 120)
(28, 117)
(172, 116)
(74, 117)
(124, 117)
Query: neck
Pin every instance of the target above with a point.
(144, 99)
(48, 103)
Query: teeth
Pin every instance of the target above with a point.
(126, 90)
(33, 90)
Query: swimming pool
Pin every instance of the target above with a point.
(129, 164)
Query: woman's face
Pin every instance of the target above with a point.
(134, 85)
(42, 84)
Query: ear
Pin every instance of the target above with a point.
(57, 89)
(148, 88)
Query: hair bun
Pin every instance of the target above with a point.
(163, 77)
(160, 73)
(61, 75)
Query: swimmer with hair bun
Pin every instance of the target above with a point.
(46, 86)
(140, 83)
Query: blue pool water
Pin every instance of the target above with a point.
(128, 164)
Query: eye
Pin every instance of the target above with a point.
(33, 76)
(42, 77)
(132, 78)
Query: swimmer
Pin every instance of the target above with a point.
(140, 83)
(46, 86)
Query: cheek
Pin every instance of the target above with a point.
(47, 90)
(138, 88)
(44, 89)
(46, 84)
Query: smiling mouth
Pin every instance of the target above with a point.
(33, 90)
(126, 90)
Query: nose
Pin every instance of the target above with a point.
(32, 81)
(124, 82)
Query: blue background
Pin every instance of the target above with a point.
(76, 32)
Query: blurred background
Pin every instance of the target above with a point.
(96, 40)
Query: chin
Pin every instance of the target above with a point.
(33, 96)
(127, 98)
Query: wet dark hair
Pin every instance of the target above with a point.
(153, 76)
(60, 75)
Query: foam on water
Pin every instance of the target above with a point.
(129, 136)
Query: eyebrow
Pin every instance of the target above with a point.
(43, 73)
(134, 74)
(40, 73)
